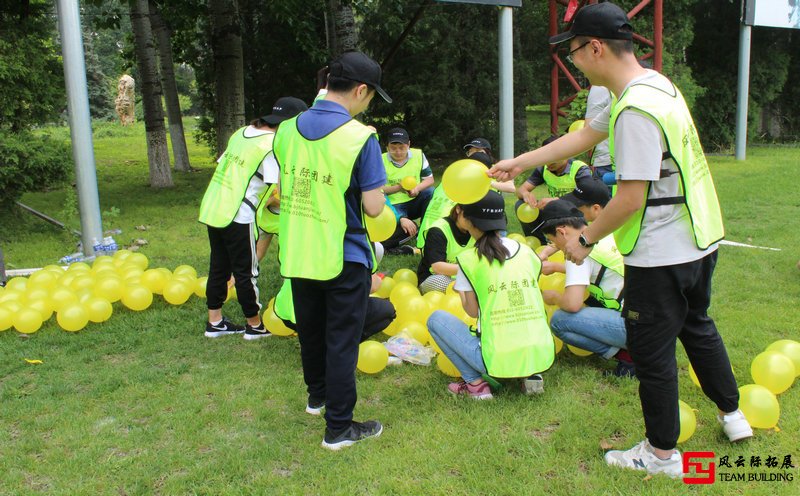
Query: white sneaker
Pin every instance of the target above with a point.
(735, 425)
(642, 457)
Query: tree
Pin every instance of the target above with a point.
(157, 153)
(341, 27)
(162, 37)
(226, 45)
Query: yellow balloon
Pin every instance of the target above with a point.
(451, 289)
(387, 285)
(550, 310)
(109, 288)
(413, 309)
(688, 421)
(527, 214)
(176, 292)
(372, 357)
(406, 275)
(13, 295)
(452, 304)
(185, 269)
(402, 291)
(773, 370)
(465, 181)
(102, 260)
(17, 284)
(415, 330)
(408, 183)
(759, 406)
(446, 366)
(167, 273)
(78, 267)
(434, 344)
(13, 306)
(122, 254)
(154, 280)
(693, 375)
(137, 298)
(519, 238)
(98, 309)
(200, 286)
(578, 351)
(138, 259)
(44, 308)
(554, 281)
(232, 294)
(81, 282)
(434, 298)
(72, 317)
(576, 126)
(6, 319)
(559, 344)
(61, 297)
(786, 347)
(392, 328)
(273, 323)
(27, 321)
(44, 279)
(382, 227)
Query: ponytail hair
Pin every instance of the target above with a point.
(491, 246)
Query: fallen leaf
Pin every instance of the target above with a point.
(605, 445)
(141, 228)
(33, 362)
(647, 478)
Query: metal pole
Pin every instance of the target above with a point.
(80, 124)
(743, 90)
(506, 72)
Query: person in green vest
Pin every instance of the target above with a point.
(244, 171)
(444, 240)
(332, 175)
(559, 176)
(666, 221)
(267, 212)
(409, 187)
(591, 323)
(498, 284)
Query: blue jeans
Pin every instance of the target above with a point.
(600, 330)
(458, 344)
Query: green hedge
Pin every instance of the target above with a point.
(31, 162)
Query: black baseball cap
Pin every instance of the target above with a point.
(397, 135)
(600, 20)
(478, 143)
(488, 213)
(357, 66)
(285, 108)
(588, 191)
(555, 210)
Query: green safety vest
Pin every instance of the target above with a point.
(606, 254)
(515, 338)
(669, 110)
(315, 176)
(240, 162)
(413, 168)
(439, 206)
(453, 247)
(267, 217)
(558, 186)
(284, 304)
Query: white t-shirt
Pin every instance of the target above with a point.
(666, 236)
(598, 99)
(270, 172)
(586, 273)
(462, 283)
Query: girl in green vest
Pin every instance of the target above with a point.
(444, 240)
(497, 282)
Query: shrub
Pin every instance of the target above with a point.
(31, 162)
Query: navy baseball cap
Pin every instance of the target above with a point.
(588, 191)
(285, 108)
(398, 135)
(479, 143)
(600, 20)
(357, 66)
(488, 213)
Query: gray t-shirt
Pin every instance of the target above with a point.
(598, 99)
(666, 236)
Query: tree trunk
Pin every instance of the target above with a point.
(162, 37)
(226, 43)
(341, 27)
(157, 153)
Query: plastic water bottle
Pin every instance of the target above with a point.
(109, 245)
(98, 248)
(72, 257)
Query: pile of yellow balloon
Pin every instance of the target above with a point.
(465, 181)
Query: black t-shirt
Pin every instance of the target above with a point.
(436, 248)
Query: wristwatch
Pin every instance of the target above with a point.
(584, 243)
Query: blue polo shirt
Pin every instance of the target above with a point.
(368, 172)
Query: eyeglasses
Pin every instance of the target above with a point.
(569, 55)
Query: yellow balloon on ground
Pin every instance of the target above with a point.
(109, 288)
(200, 286)
(82, 282)
(372, 357)
(137, 298)
(44, 308)
(17, 284)
(401, 292)
(434, 298)
(387, 285)
(102, 260)
(61, 297)
(42, 279)
(527, 214)
(578, 351)
(13, 295)
(434, 344)
(688, 421)
(786, 347)
(693, 375)
(185, 269)
(759, 406)
(231, 294)
(138, 259)
(98, 309)
(78, 267)
(408, 183)
(559, 344)
(446, 366)
(452, 304)
(415, 330)
(27, 321)
(13, 306)
(465, 181)
(576, 126)
(72, 318)
(176, 292)
(382, 227)
(413, 309)
(273, 323)
(154, 280)
(121, 254)
(6, 319)
(391, 329)
(773, 370)
(406, 275)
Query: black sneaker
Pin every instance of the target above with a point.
(358, 431)
(224, 328)
(623, 369)
(252, 333)
(314, 406)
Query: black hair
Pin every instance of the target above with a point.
(338, 84)
(617, 47)
(550, 139)
(259, 122)
(549, 227)
(491, 246)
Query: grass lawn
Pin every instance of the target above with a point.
(144, 404)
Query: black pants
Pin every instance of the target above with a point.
(662, 304)
(330, 321)
(413, 209)
(233, 252)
